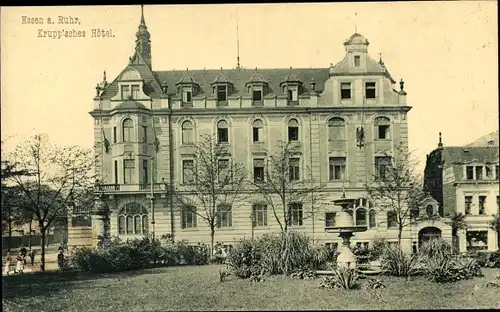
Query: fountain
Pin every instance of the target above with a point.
(344, 225)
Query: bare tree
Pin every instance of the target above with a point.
(285, 187)
(56, 177)
(210, 184)
(397, 190)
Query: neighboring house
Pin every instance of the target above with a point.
(146, 121)
(466, 180)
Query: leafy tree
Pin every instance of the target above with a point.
(284, 186)
(397, 190)
(210, 187)
(56, 176)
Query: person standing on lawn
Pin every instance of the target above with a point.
(8, 263)
(20, 263)
(23, 253)
(60, 259)
(31, 254)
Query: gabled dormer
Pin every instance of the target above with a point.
(187, 88)
(291, 87)
(222, 88)
(130, 86)
(257, 87)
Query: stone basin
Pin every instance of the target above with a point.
(346, 229)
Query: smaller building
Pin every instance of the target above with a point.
(466, 180)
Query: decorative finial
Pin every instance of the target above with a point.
(142, 15)
(440, 144)
(97, 89)
(104, 77)
(402, 85)
(380, 60)
(355, 19)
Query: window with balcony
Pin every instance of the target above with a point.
(330, 219)
(125, 92)
(128, 130)
(482, 202)
(222, 132)
(382, 164)
(258, 170)
(479, 172)
(293, 130)
(469, 172)
(296, 214)
(259, 215)
(370, 90)
(258, 131)
(188, 217)
(345, 90)
(382, 128)
(135, 92)
(188, 171)
(336, 129)
(187, 132)
(224, 216)
(337, 168)
(468, 204)
(128, 170)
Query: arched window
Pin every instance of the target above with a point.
(187, 132)
(372, 218)
(336, 129)
(128, 130)
(133, 219)
(188, 217)
(382, 128)
(222, 132)
(429, 210)
(293, 130)
(258, 130)
(361, 216)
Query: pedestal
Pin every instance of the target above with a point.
(98, 229)
(346, 257)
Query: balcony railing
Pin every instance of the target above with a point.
(116, 188)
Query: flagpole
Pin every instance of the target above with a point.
(151, 174)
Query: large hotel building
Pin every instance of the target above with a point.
(147, 122)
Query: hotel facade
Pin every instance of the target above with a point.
(343, 120)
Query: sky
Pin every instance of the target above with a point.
(446, 52)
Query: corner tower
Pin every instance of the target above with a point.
(143, 42)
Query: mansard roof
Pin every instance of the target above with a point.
(186, 78)
(464, 154)
(291, 77)
(257, 78)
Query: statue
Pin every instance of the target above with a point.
(157, 144)
(360, 137)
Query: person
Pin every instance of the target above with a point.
(31, 254)
(23, 252)
(61, 248)
(414, 248)
(8, 263)
(60, 259)
(20, 263)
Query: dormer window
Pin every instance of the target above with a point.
(357, 60)
(256, 87)
(125, 92)
(135, 92)
(257, 93)
(187, 95)
(222, 95)
(291, 87)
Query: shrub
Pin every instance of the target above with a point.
(303, 274)
(399, 263)
(446, 270)
(373, 284)
(321, 257)
(493, 260)
(296, 252)
(244, 258)
(345, 278)
(436, 247)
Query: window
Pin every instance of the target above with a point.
(128, 170)
(145, 171)
(257, 130)
(128, 130)
(468, 204)
(482, 201)
(224, 217)
(361, 217)
(357, 60)
(188, 217)
(336, 129)
(187, 132)
(489, 172)
(133, 219)
(429, 210)
(497, 172)
(479, 172)
(114, 134)
(469, 172)
(135, 91)
(294, 169)
(259, 215)
(370, 90)
(382, 128)
(257, 95)
(116, 172)
(293, 130)
(187, 171)
(292, 95)
(372, 218)
(144, 134)
(295, 214)
(223, 171)
(187, 95)
(258, 170)
(337, 168)
(392, 219)
(345, 90)
(330, 219)
(477, 240)
(222, 94)
(222, 132)
(125, 92)
(382, 164)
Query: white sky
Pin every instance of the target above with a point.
(447, 53)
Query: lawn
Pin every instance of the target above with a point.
(197, 288)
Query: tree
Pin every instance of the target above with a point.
(211, 183)
(56, 176)
(397, 190)
(285, 188)
(495, 225)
